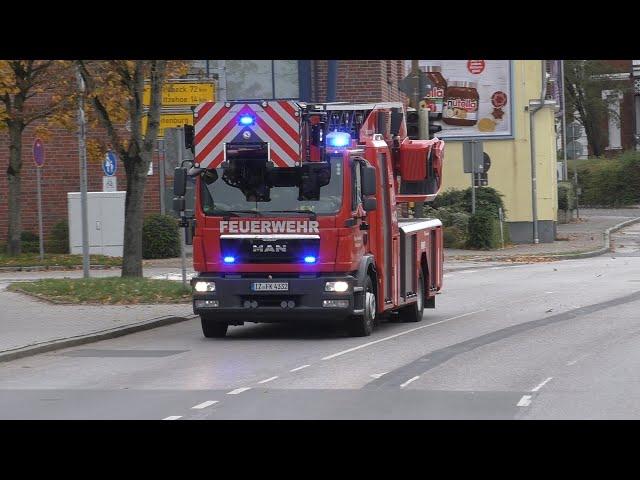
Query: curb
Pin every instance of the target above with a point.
(60, 343)
(606, 242)
(571, 256)
(54, 268)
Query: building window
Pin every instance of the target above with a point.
(613, 98)
(262, 79)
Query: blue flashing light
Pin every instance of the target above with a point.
(229, 259)
(246, 120)
(338, 139)
(309, 259)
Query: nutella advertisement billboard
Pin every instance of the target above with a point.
(469, 98)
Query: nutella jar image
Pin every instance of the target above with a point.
(437, 86)
(461, 101)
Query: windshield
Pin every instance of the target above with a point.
(219, 198)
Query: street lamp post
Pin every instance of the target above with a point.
(82, 151)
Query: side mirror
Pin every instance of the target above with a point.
(179, 181)
(369, 204)
(369, 184)
(189, 134)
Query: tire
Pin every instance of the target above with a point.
(362, 325)
(213, 329)
(413, 312)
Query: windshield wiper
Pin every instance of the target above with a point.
(307, 212)
(236, 213)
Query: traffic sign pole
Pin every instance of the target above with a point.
(39, 182)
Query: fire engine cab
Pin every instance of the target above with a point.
(301, 213)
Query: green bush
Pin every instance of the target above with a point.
(160, 237)
(484, 231)
(610, 182)
(487, 198)
(58, 238)
(453, 237)
(566, 196)
(30, 242)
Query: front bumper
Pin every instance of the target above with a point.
(237, 303)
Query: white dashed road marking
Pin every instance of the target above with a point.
(409, 381)
(238, 390)
(378, 375)
(205, 404)
(173, 417)
(542, 384)
(329, 357)
(300, 368)
(525, 401)
(268, 379)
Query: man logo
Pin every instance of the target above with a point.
(269, 248)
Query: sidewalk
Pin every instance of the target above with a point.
(26, 321)
(580, 236)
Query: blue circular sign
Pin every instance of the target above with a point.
(110, 164)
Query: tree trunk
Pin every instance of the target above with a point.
(14, 246)
(136, 168)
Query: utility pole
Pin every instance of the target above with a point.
(415, 74)
(82, 151)
(565, 168)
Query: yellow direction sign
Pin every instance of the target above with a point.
(182, 94)
(169, 120)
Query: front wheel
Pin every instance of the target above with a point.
(362, 325)
(413, 312)
(213, 329)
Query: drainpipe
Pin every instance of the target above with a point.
(533, 109)
(332, 80)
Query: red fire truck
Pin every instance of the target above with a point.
(298, 214)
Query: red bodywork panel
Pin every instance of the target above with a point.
(342, 242)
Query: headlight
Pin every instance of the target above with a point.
(205, 287)
(336, 286)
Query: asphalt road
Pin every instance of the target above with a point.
(541, 341)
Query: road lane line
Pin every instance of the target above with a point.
(542, 384)
(300, 368)
(525, 401)
(173, 417)
(409, 381)
(268, 379)
(238, 390)
(576, 360)
(206, 404)
(353, 349)
(378, 375)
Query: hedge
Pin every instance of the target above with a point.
(453, 208)
(30, 242)
(611, 182)
(160, 237)
(566, 196)
(58, 238)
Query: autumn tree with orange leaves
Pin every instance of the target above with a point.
(30, 90)
(115, 89)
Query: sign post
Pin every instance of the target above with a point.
(38, 158)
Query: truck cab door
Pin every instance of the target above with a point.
(358, 219)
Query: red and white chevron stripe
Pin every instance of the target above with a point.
(277, 123)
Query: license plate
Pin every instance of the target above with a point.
(270, 287)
